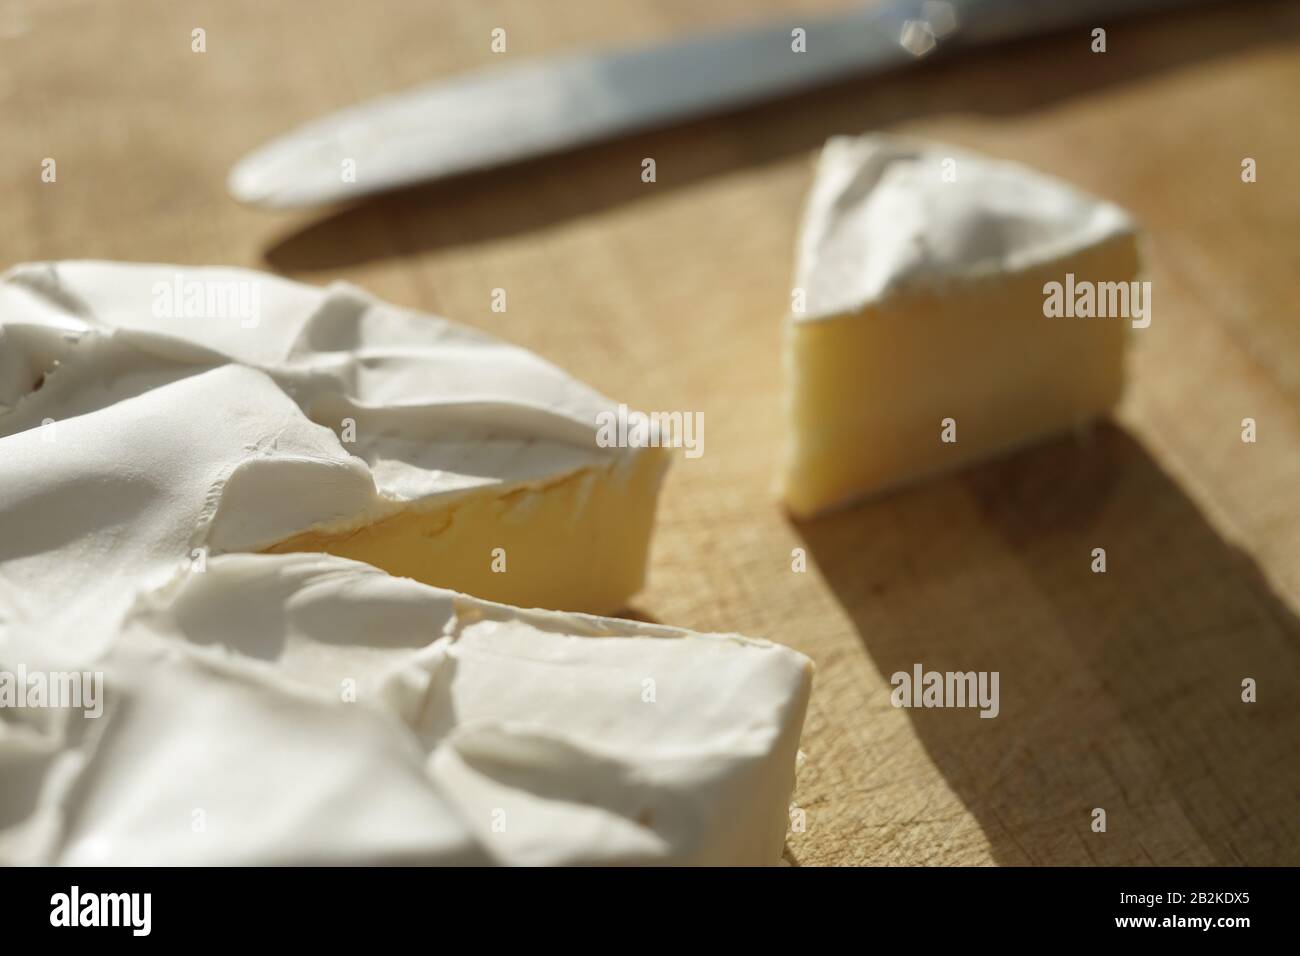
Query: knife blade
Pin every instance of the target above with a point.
(498, 116)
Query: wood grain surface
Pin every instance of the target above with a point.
(1119, 691)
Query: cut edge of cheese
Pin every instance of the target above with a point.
(577, 542)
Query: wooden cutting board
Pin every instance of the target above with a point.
(1120, 691)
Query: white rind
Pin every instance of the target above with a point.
(883, 219)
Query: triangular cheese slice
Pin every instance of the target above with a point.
(921, 337)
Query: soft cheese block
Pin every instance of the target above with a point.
(347, 425)
(313, 709)
(919, 341)
(172, 693)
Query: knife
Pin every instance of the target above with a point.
(497, 116)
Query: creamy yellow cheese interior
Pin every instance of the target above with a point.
(869, 390)
(577, 543)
